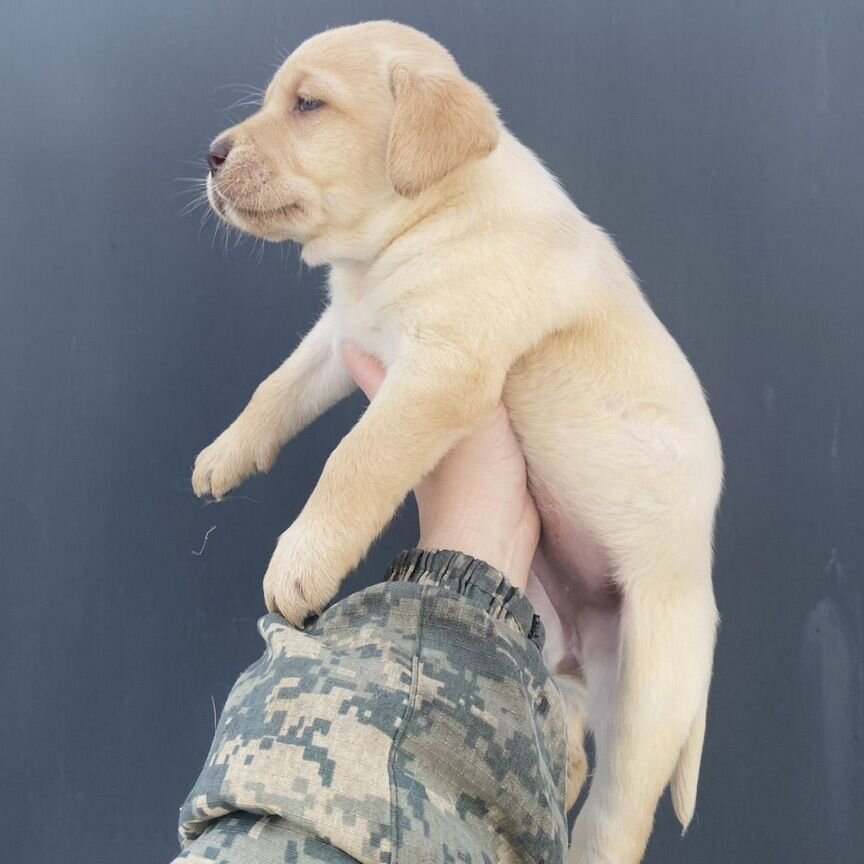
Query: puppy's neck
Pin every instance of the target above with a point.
(391, 220)
(395, 225)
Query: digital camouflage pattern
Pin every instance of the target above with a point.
(413, 722)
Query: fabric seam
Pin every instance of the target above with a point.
(400, 732)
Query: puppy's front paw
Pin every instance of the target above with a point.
(303, 575)
(233, 457)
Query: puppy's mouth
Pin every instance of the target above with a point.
(231, 211)
(257, 214)
(273, 220)
(225, 207)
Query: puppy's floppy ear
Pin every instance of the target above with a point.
(441, 122)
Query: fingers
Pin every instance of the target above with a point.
(365, 369)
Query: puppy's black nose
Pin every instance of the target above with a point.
(218, 154)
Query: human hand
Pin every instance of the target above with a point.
(476, 500)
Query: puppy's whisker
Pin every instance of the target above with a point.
(206, 215)
(243, 102)
(218, 226)
(250, 88)
(282, 54)
(186, 192)
(193, 205)
(200, 189)
(196, 194)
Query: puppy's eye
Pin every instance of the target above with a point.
(304, 104)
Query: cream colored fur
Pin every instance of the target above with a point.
(457, 259)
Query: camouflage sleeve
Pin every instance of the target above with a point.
(413, 722)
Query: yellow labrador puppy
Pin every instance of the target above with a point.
(457, 259)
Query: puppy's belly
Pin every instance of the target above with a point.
(576, 597)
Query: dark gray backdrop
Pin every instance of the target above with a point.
(719, 142)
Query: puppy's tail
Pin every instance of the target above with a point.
(685, 779)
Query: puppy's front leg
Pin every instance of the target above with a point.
(309, 382)
(416, 417)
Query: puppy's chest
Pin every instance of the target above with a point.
(369, 322)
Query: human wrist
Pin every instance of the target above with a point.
(508, 548)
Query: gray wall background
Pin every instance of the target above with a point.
(719, 142)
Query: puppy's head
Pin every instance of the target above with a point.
(355, 118)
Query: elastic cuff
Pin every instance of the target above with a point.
(475, 580)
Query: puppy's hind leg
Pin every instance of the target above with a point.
(567, 676)
(647, 700)
(572, 689)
